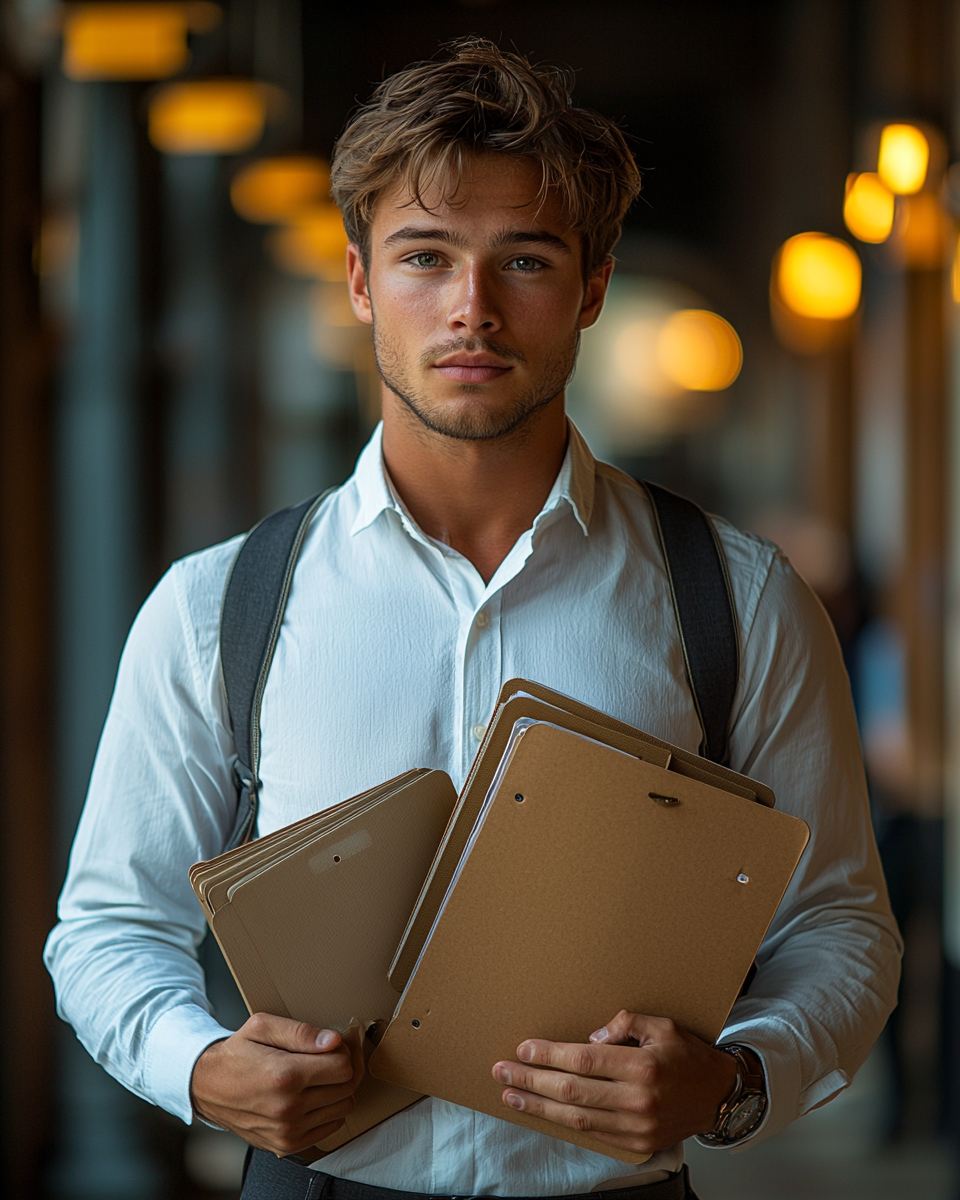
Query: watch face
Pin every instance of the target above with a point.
(745, 1116)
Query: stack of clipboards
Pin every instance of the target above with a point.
(586, 867)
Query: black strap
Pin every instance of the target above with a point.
(703, 604)
(251, 614)
(258, 585)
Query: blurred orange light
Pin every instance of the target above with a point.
(315, 244)
(955, 274)
(699, 350)
(904, 157)
(868, 207)
(922, 234)
(131, 41)
(278, 189)
(214, 116)
(819, 276)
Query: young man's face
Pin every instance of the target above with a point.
(476, 303)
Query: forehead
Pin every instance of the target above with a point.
(490, 191)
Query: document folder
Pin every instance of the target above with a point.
(520, 699)
(591, 877)
(309, 916)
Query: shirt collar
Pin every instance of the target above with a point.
(575, 484)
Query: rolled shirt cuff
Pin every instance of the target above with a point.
(173, 1045)
(775, 1044)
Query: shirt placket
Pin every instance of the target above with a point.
(477, 658)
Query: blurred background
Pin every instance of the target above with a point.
(178, 358)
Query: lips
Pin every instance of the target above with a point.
(472, 368)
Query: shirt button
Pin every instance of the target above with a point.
(482, 620)
(478, 732)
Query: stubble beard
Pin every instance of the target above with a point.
(474, 423)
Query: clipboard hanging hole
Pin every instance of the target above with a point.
(666, 801)
(415, 1024)
(741, 878)
(519, 797)
(336, 858)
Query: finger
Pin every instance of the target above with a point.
(315, 1099)
(294, 1136)
(297, 1037)
(583, 1120)
(559, 1085)
(303, 1071)
(629, 1026)
(579, 1058)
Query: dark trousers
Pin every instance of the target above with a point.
(270, 1178)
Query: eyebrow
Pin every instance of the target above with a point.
(506, 237)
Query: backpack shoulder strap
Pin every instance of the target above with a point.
(251, 613)
(704, 608)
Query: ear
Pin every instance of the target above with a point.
(357, 283)
(594, 294)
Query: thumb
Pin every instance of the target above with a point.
(283, 1033)
(634, 1027)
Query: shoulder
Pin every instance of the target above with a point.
(749, 558)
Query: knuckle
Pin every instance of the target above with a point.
(582, 1061)
(581, 1122)
(303, 1032)
(286, 1141)
(285, 1079)
(568, 1091)
(256, 1025)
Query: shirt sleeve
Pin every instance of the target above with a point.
(124, 954)
(829, 966)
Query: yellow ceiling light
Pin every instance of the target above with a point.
(131, 41)
(868, 207)
(210, 116)
(819, 276)
(279, 189)
(904, 158)
(314, 245)
(699, 350)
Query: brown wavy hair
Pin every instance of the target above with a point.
(422, 123)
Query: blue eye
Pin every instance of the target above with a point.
(527, 265)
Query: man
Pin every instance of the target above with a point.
(478, 540)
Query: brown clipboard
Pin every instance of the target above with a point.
(522, 698)
(308, 917)
(597, 881)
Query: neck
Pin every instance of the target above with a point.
(477, 497)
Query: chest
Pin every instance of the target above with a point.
(378, 669)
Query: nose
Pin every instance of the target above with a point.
(474, 308)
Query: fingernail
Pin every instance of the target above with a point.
(325, 1039)
(502, 1075)
(525, 1053)
(600, 1036)
(515, 1101)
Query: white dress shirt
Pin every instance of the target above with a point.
(391, 655)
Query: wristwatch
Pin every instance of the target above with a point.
(743, 1109)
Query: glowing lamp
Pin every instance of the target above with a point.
(699, 351)
(279, 189)
(819, 276)
(314, 245)
(922, 237)
(868, 207)
(211, 116)
(131, 41)
(904, 158)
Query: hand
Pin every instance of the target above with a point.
(643, 1097)
(281, 1085)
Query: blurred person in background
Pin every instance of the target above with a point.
(477, 540)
